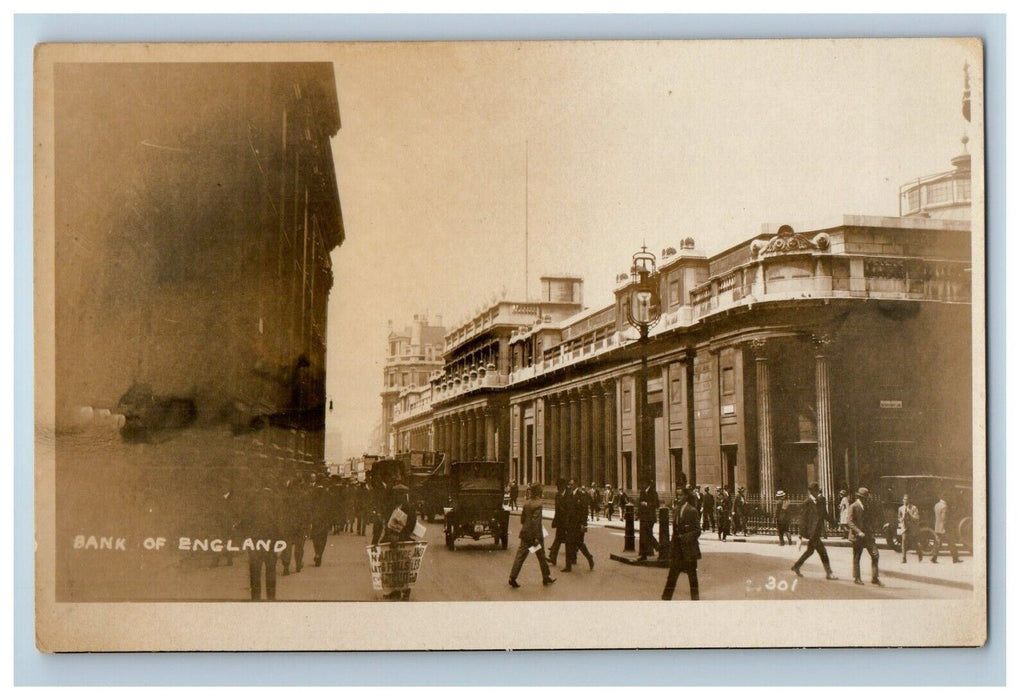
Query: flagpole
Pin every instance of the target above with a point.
(525, 220)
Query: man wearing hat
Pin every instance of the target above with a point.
(811, 528)
(740, 512)
(399, 527)
(861, 533)
(709, 511)
(782, 517)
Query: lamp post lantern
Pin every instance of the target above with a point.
(644, 311)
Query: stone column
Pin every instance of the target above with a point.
(690, 416)
(565, 436)
(464, 433)
(547, 440)
(574, 433)
(476, 446)
(479, 449)
(598, 465)
(764, 422)
(610, 431)
(585, 436)
(823, 388)
(490, 438)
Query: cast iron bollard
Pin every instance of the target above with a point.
(664, 519)
(629, 527)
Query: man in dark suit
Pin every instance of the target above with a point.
(559, 516)
(861, 533)
(298, 502)
(262, 520)
(648, 504)
(684, 551)
(812, 526)
(723, 514)
(740, 513)
(577, 513)
(709, 510)
(531, 537)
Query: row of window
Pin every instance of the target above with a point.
(941, 192)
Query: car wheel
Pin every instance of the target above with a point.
(966, 533)
(928, 539)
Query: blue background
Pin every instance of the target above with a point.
(668, 667)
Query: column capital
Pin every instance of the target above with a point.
(759, 348)
(821, 342)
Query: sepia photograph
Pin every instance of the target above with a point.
(510, 345)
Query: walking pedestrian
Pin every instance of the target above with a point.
(559, 516)
(723, 514)
(399, 527)
(622, 502)
(594, 501)
(577, 525)
(297, 507)
(941, 513)
(843, 512)
(811, 528)
(783, 518)
(609, 499)
(648, 504)
(321, 517)
(861, 533)
(261, 521)
(378, 501)
(684, 550)
(909, 528)
(709, 510)
(739, 513)
(531, 538)
(514, 493)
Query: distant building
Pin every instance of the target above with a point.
(470, 395)
(414, 353)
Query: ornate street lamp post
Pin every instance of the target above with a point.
(644, 312)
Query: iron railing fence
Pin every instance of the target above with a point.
(761, 520)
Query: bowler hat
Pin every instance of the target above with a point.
(779, 494)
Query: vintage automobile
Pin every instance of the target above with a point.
(428, 482)
(924, 491)
(476, 503)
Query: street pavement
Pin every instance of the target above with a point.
(475, 571)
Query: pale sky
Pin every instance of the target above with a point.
(626, 141)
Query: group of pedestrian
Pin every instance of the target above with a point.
(570, 521)
(693, 512)
(289, 507)
(860, 525)
(908, 530)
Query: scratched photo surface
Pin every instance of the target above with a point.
(559, 323)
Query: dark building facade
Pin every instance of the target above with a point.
(196, 210)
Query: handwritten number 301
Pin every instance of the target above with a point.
(782, 585)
